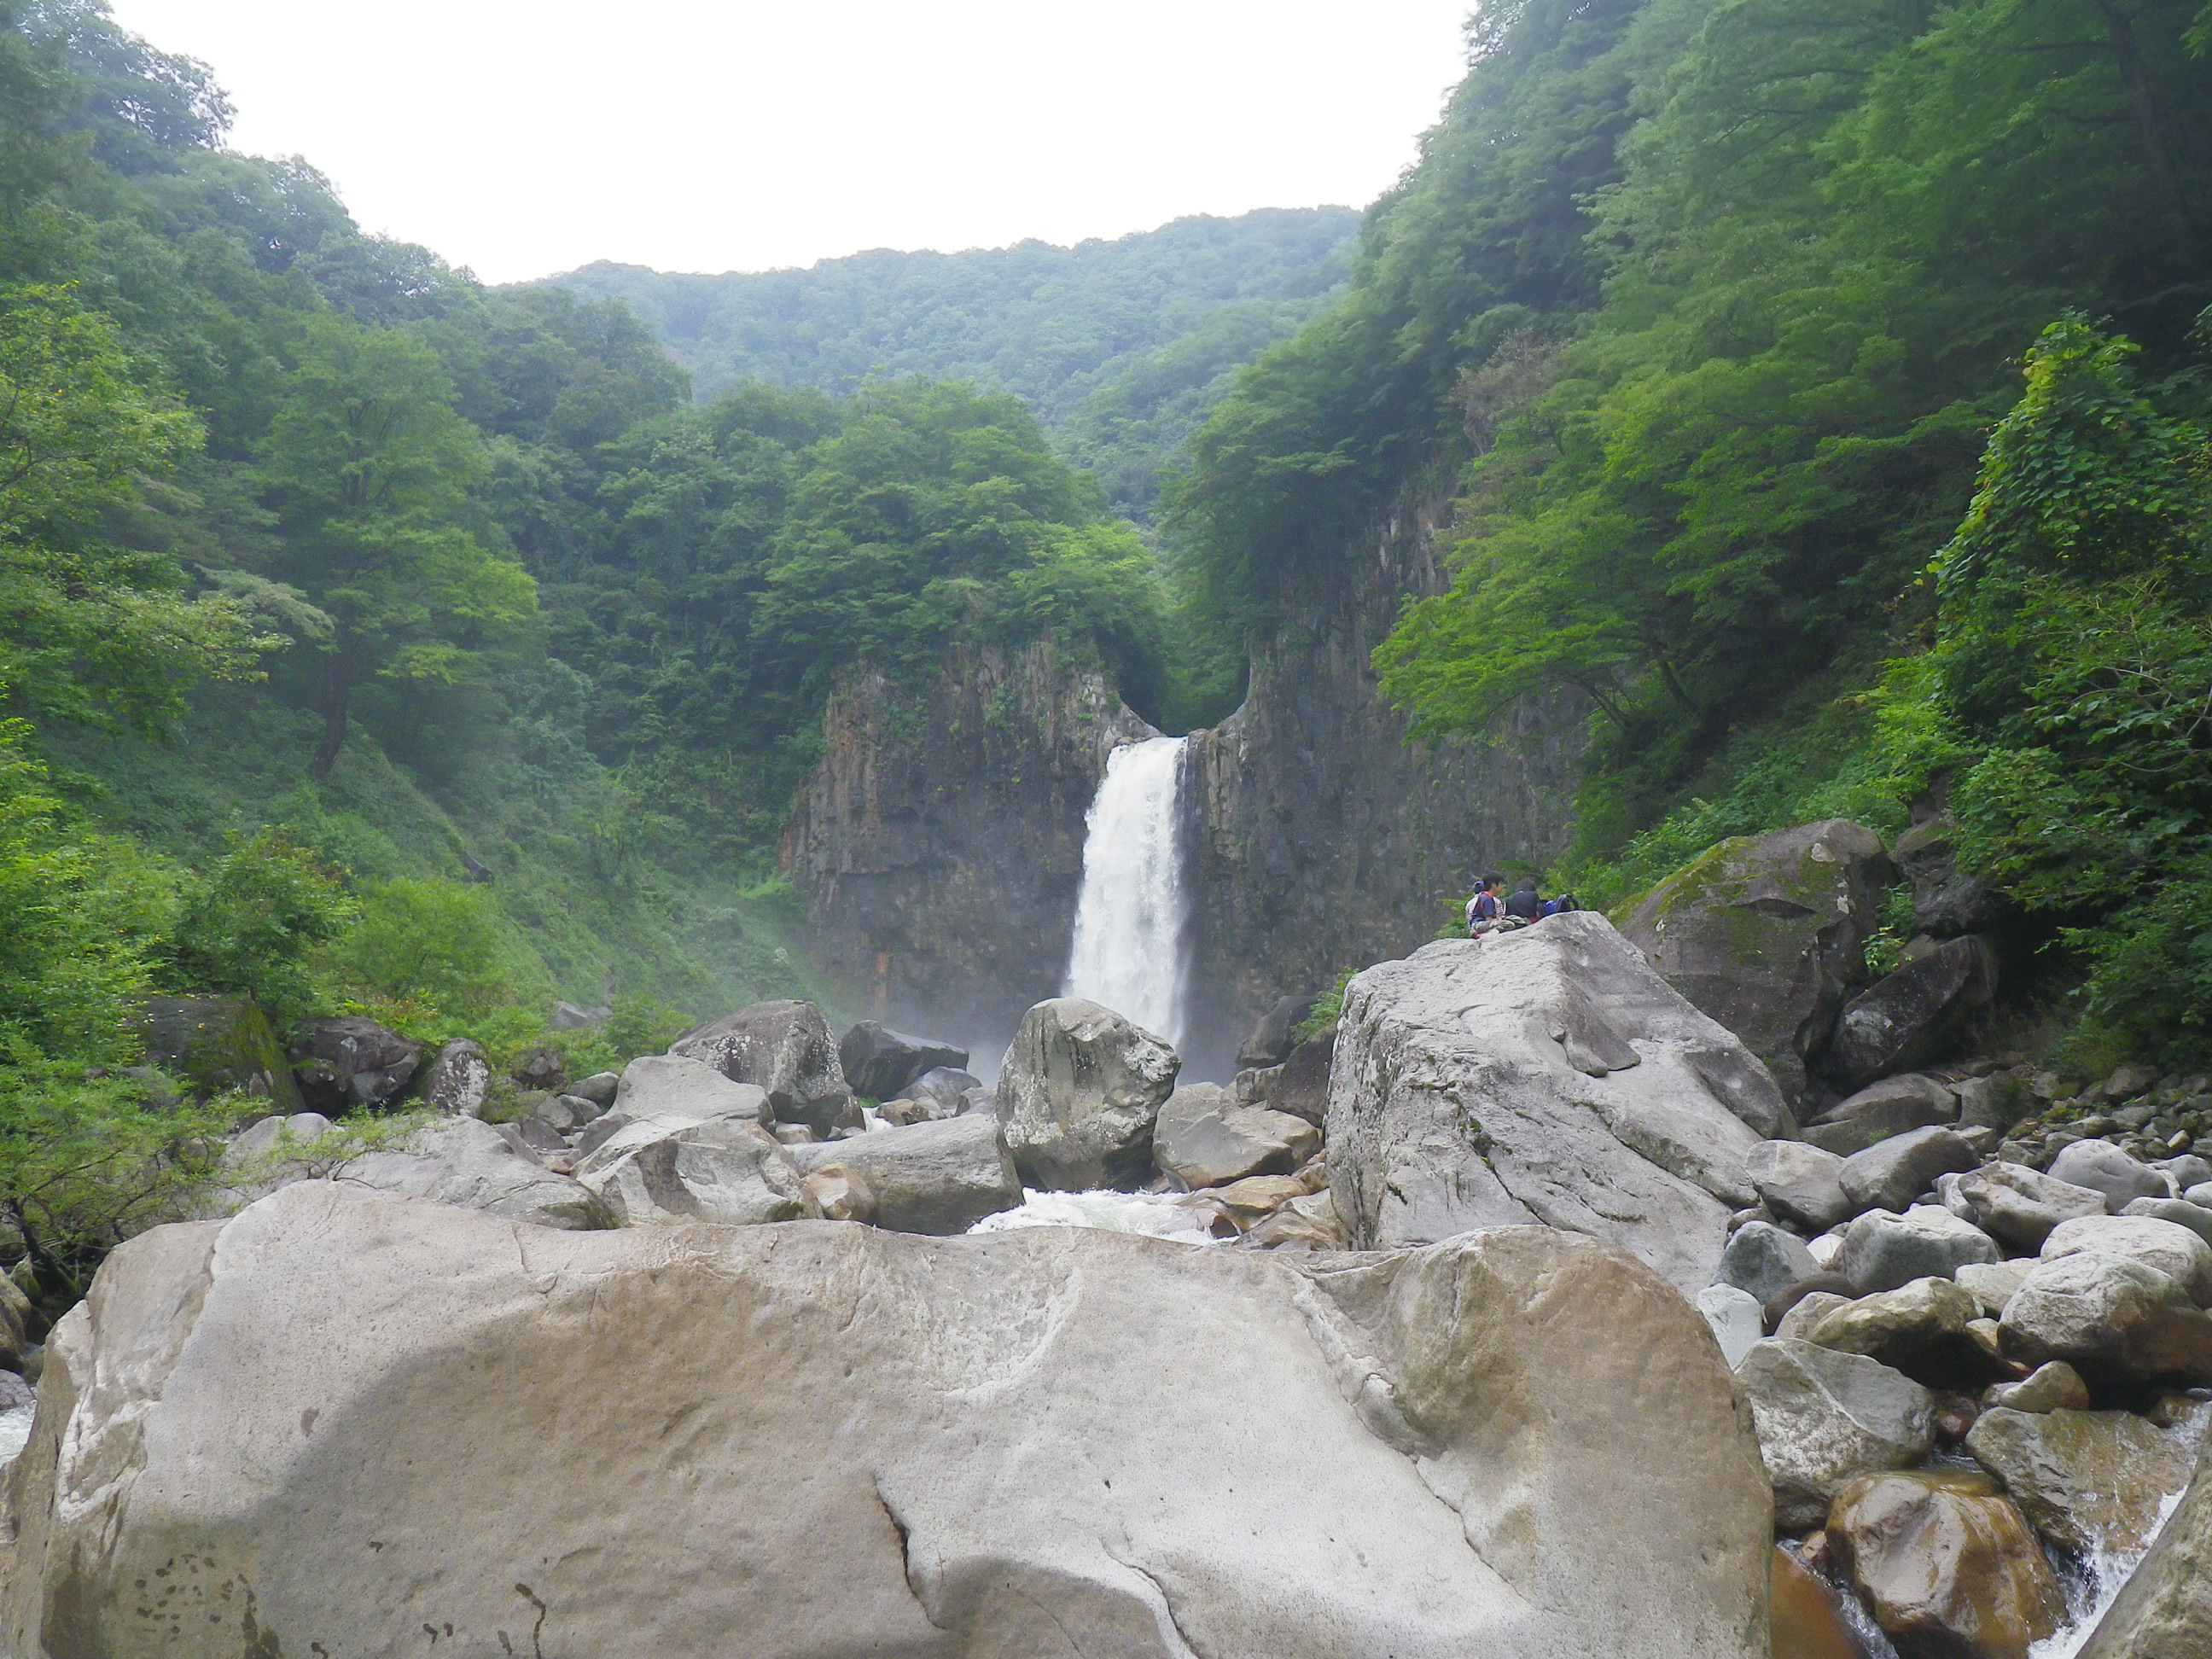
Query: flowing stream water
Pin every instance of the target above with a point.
(1129, 917)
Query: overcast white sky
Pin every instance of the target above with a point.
(526, 136)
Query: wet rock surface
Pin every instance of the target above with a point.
(2089, 1481)
(1948, 1565)
(1825, 1419)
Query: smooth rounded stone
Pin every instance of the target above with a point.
(718, 1169)
(2185, 1171)
(792, 1135)
(2089, 1481)
(2015, 1204)
(2103, 1168)
(1203, 1138)
(2165, 1609)
(470, 1164)
(672, 1090)
(899, 1113)
(2178, 1211)
(1520, 1444)
(1078, 1093)
(1993, 1282)
(2053, 1386)
(1825, 1418)
(2200, 1194)
(1916, 1327)
(1765, 933)
(784, 1049)
(1257, 1197)
(1890, 1175)
(946, 1085)
(2107, 1313)
(883, 1064)
(600, 1088)
(1763, 1260)
(1882, 1251)
(458, 1080)
(1803, 1617)
(939, 1177)
(2172, 1249)
(1799, 1183)
(1735, 1318)
(1893, 1106)
(1827, 1247)
(1906, 1019)
(1947, 1563)
(1548, 1075)
(1801, 1320)
(349, 1062)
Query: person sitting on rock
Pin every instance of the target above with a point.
(1527, 904)
(1486, 911)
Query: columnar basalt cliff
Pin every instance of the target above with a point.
(1322, 840)
(940, 843)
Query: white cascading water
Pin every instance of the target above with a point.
(1128, 952)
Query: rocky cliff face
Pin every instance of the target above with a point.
(1320, 839)
(940, 843)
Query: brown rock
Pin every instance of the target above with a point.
(1917, 1328)
(2088, 1480)
(1256, 1196)
(1947, 1563)
(1803, 1617)
(843, 1194)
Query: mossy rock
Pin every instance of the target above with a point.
(219, 1045)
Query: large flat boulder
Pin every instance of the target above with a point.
(1548, 1075)
(1080, 1090)
(343, 1417)
(939, 1177)
(1203, 1138)
(718, 1169)
(786, 1049)
(1767, 934)
(471, 1166)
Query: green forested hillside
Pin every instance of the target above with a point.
(1719, 305)
(1118, 347)
(368, 638)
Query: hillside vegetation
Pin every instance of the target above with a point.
(1723, 310)
(1120, 348)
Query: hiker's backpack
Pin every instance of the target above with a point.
(1561, 905)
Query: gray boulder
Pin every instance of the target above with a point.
(674, 1091)
(1270, 1041)
(458, 1080)
(946, 1087)
(472, 1166)
(1763, 1261)
(783, 1047)
(2103, 1168)
(2015, 1204)
(1825, 1417)
(2053, 1386)
(1203, 1138)
(1881, 1250)
(2089, 1481)
(1799, 1183)
(2181, 1212)
(1015, 1444)
(1735, 1317)
(1300, 1084)
(718, 1169)
(2165, 1609)
(1767, 934)
(2108, 1316)
(1918, 1329)
(1996, 1101)
(1892, 1107)
(1546, 1075)
(883, 1064)
(939, 1177)
(1994, 1283)
(1079, 1092)
(1890, 1174)
(1945, 901)
(1910, 1016)
(600, 1088)
(351, 1062)
(2174, 1250)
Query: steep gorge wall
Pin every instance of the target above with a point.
(940, 843)
(1320, 839)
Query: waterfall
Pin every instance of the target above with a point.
(1128, 952)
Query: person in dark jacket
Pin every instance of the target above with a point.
(1527, 904)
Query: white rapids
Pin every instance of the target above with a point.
(1129, 917)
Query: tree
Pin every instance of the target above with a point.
(369, 467)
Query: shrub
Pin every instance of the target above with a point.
(425, 941)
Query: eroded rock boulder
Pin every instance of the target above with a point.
(1078, 1093)
(1948, 1564)
(350, 1061)
(675, 1090)
(726, 1171)
(1800, 1183)
(1918, 1329)
(2103, 1168)
(2108, 1315)
(938, 1178)
(1882, 1251)
(458, 1081)
(2089, 1481)
(1204, 1139)
(1910, 1016)
(1946, 900)
(1546, 1075)
(1825, 1418)
(882, 1064)
(1520, 1444)
(472, 1166)
(2172, 1249)
(1891, 1106)
(1767, 934)
(217, 1044)
(2016, 1204)
(1891, 1174)
(1271, 1039)
(1763, 1260)
(784, 1049)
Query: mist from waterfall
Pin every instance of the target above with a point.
(1128, 951)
